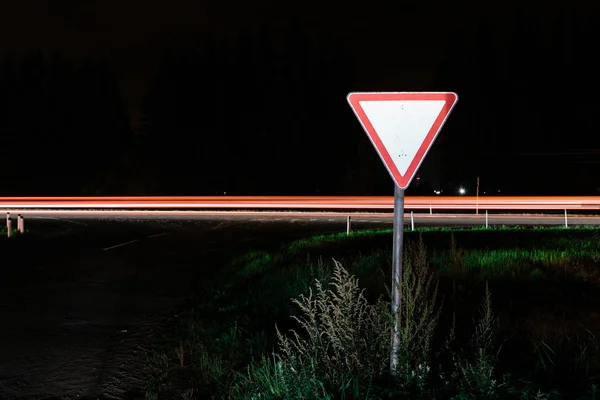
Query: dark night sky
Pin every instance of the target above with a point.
(395, 45)
(129, 35)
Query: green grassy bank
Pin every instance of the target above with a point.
(497, 313)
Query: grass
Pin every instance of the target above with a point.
(505, 313)
(4, 233)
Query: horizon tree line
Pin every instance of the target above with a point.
(265, 113)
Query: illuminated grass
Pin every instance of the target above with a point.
(254, 262)
(4, 233)
(323, 240)
(513, 253)
(342, 236)
(515, 262)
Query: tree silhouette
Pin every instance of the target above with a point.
(258, 115)
(64, 126)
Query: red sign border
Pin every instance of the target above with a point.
(354, 100)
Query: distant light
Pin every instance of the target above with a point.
(437, 191)
(462, 191)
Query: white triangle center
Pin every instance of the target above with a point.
(402, 126)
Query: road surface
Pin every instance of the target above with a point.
(381, 219)
(82, 300)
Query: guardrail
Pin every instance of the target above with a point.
(430, 203)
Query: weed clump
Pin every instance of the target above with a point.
(418, 315)
(343, 343)
(476, 370)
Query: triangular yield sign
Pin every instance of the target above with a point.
(402, 126)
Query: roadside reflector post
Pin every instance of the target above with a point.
(412, 220)
(21, 224)
(566, 220)
(9, 226)
(430, 209)
(486, 219)
(348, 224)
(477, 201)
(402, 126)
(7, 218)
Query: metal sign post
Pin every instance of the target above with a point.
(397, 255)
(402, 126)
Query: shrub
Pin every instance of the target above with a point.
(476, 371)
(343, 346)
(417, 317)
